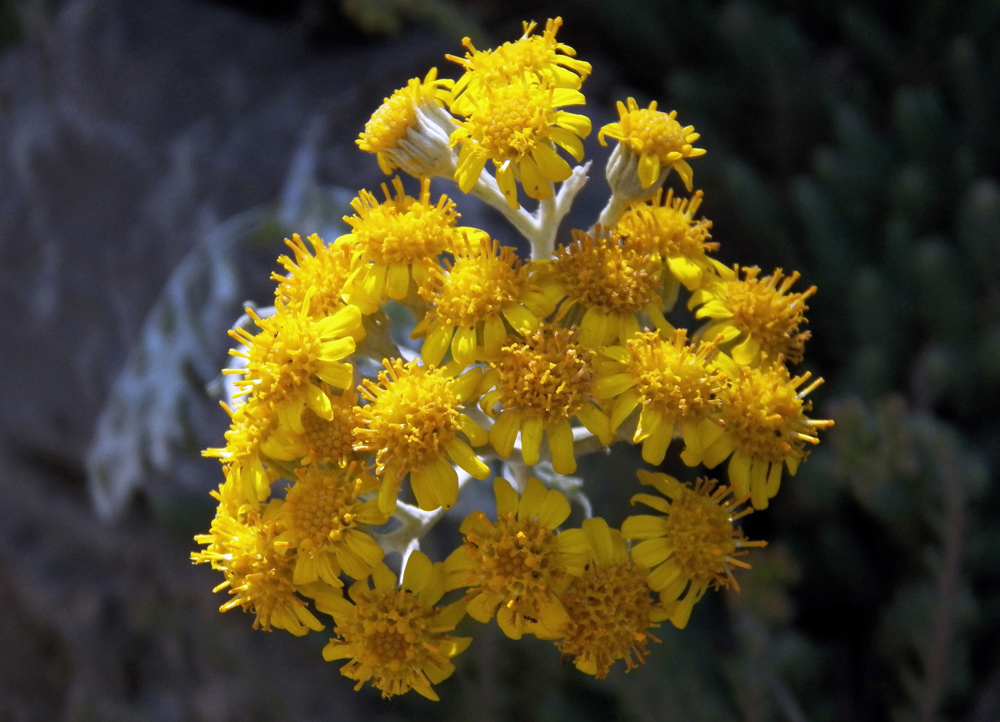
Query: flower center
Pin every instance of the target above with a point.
(605, 273)
(510, 120)
(322, 505)
(672, 375)
(458, 296)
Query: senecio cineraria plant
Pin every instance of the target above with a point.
(524, 366)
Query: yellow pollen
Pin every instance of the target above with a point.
(672, 375)
(765, 411)
(322, 505)
(610, 611)
(403, 229)
(547, 375)
(606, 273)
(413, 414)
(458, 293)
(511, 119)
(668, 228)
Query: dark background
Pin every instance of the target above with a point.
(856, 142)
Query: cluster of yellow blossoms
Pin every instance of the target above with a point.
(348, 446)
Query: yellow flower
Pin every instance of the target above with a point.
(410, 129)
(610, 607)
(291, 356)
(542, 383)
(672, 383)
(518, 126)
(657, 139)
(398, 239)
(320, 514)
(412, 424)
(474, 300)
(516, 568)
(766, 429)
(538, 55)
(321, 441)
(320, 276)
(759, 312)
(396, 637)
(605, 282)
(670, 230)
(694, 547)
(245, 470)
(241, 544)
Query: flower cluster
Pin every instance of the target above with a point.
(347, 447)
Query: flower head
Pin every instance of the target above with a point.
(518, 126)
(760, 313)
(319, 276)
(539, 55)
(320, 514)
(692, 547)
(242, 455)
(515, 568)
(610, 606)
(766, 429)
(474, 299)
(320, 441)
(657, 141)
(541, 383)
(672, 383)
(241, 544)
(605, 281)
(410, 129)
(395, 636)
(670, 230)
(290, 358)
(398, 239)
(411, 423)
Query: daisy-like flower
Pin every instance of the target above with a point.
(320, 441)
(610, 607)
(516, 568)
(694, 546)
(320, 275)
(540, 384)
(605, 281)
(760, 313)
(475, 299)
(669, 229)
(672, 383)
(766, 429)
(410, 129)
(290, 358)
(412, 424)
(651, 143)
(241, 544)
(395, 636)
(540, 55)
(518, 126)
(248, 431)
(398, 239)
(320, 515)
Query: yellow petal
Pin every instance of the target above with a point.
(651, 552)
(417, 574)
(649, 170)
(599, 535)
(503, 433)
(531, 499)
(644, 526)
(436, 345)
(560, 435)
(463, 455)
(532, 430)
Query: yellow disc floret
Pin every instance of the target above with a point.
(540, 55)
(474, 299)
(659, 141)
(694, 546)
(610, 607)
(396, 637)
(399, 116)
(515, 568)
(321, 513)
(241, 544)
(759, 312)
(766, 429)
(605, 281)
(518, 126)
(670, 230)
(672, 383)
(411, 423)
(398, 239)
(320, 275)
(540, 384)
